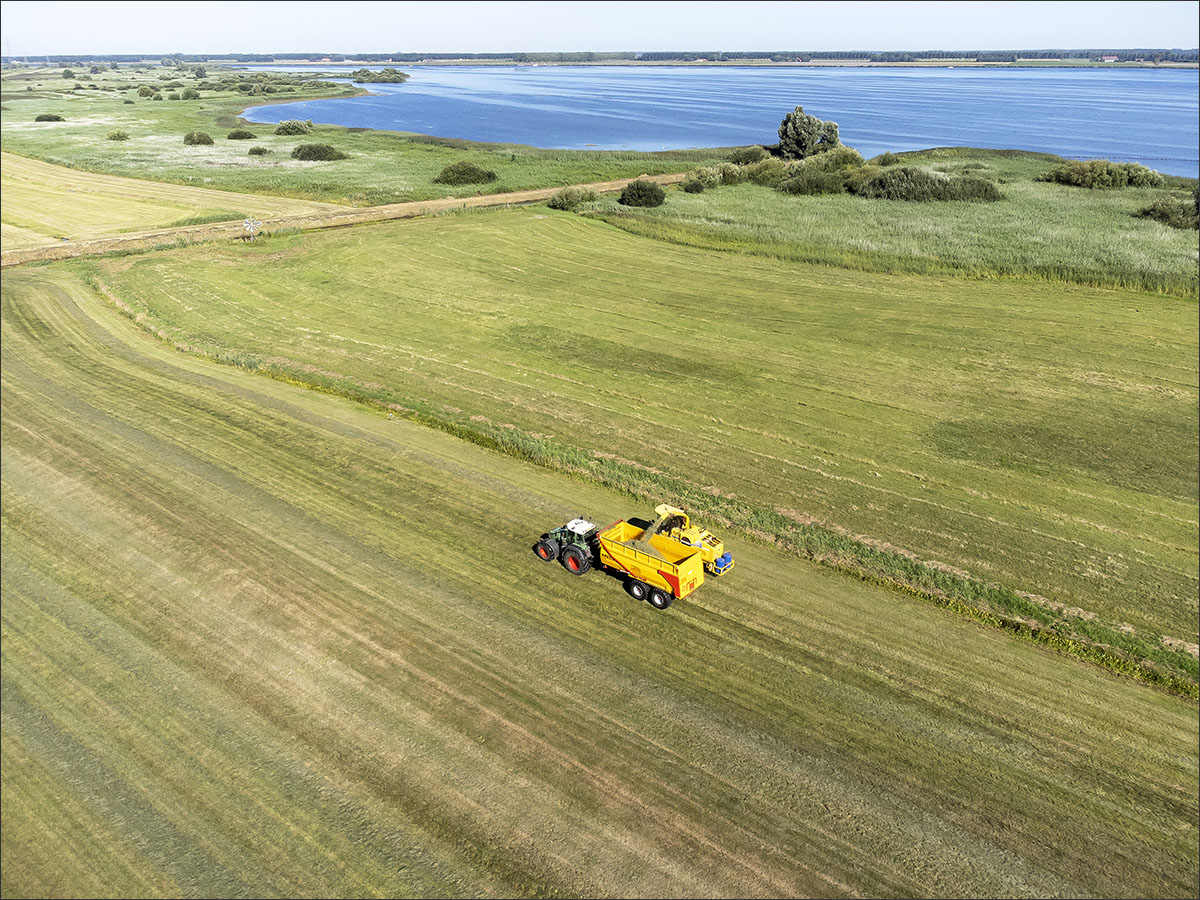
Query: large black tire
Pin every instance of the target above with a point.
(547, 549)
(660, 599)
(575, 560)
(638, 590)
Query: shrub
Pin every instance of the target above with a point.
(745, 156)
(48, 117)
(642, 193)
(1176, 210)
(910, 183)
(838, 158)
(769, 172)
(174, 95)
(129, 102)
(157, 97)
(1102, 174)
(570, 197)
(259, 151)
(190, 94)
(318, 153)
(464, 173)
(197, 138)
(67, 73)
(145, 91)
(814, 182)
(240, 134)
(691, 184)
(118, 135)
(887, 159)
(293, 126)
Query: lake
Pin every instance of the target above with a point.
(1142, 115)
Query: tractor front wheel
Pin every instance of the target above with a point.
(660, 599)
(547, 549)
(575, 560)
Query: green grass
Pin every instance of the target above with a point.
(1040, 230)
(258, 640)
(384, 167)
(945, 434)
(43, 203)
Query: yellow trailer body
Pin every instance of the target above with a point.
(674, 567)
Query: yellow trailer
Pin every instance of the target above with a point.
(658, 562)
(661, 561)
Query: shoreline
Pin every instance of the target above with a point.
(947, 63)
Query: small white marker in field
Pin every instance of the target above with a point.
(251, 225)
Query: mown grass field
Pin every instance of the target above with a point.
(1044, 441)
(259, 640)
(1042, 230)
(44, 203)
(384, 167)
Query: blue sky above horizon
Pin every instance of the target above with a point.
(51, 27)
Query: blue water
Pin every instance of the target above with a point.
(1141, 115)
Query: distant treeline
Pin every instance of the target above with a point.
(892, 56)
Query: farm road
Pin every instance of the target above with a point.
(333, 217)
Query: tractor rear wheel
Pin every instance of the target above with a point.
(660, 599)
(547, 549)
(638, 590)
(575, 560)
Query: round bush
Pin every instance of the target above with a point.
(129, 102)
(197, 138)
(318, 153)
(887, 159)
(191, 94)
(259, 151)
(293, 126)
(746, 156)
(569, 198)
(145, 91)
(118, 135)
(48, 117)
(692, 184)
(642, 193)
(464, 173)
(241, 134)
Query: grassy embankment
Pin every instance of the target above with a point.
(936, 433)
(329, 663)
(1040, 230)
(384, 167)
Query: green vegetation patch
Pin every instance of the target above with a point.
(325, 617)
(1041, 230)
(464, 172)
(814, 406)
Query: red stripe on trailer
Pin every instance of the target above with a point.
(672, 580)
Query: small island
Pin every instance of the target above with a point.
(383, 76)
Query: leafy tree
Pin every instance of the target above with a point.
(67, 73)
(200, 72)
(802, 135)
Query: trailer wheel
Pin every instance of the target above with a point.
(638, 590)
(547, 549)
(575, 560)
(660, 599)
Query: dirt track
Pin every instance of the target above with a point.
(306, 221)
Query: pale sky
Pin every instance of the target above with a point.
(38, 27)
